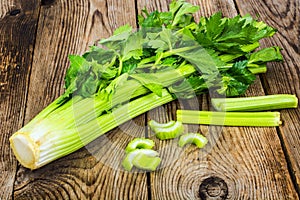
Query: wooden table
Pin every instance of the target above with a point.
(36, 38)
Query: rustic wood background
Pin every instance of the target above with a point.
(36, 36)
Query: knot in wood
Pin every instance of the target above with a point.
(213, 188)
(47, 2)
(15, 12)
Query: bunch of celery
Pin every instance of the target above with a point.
(170, 56)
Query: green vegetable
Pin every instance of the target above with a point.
(229, 118)
(154, 124)
(139, 143)
(258, 103)
(145, 162)
(171, 56)
(137, 154)
(164, 131)
(265, 55)
(35, 149)
(192, 138)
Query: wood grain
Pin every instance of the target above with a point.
(6, 7)
(153, 5)
(16, 49)
(93, 172)
(208, 7)
(236, 161)
(283, 77)
(36, 38)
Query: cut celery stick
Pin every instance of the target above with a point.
(258, 103)
(229, 118)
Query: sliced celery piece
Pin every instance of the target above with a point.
(154, 124)
(193, 138)
(146, 162)
(169, 130)
(128, 160)
(139, 143)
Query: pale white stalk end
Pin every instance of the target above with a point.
(24, 149)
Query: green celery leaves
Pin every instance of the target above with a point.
(230, 34)
(236, 80)
(222, 51)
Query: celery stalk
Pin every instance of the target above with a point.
(61, 129)
(72, 114)
(258, 70)
(258, 103)
(40, 146)
(229, 118)
(95, 106)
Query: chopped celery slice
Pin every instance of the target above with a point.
(127, 162)
(258, 103)
(145, 162)
(229, 118)
(193, 138)
(169, 130)
(139, 143)
(154, 124)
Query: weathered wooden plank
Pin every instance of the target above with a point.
(207, 8)
(7, 6)
(68, 28)
(94, 172)
(18, 21)
(238, 163)
(283, 77)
